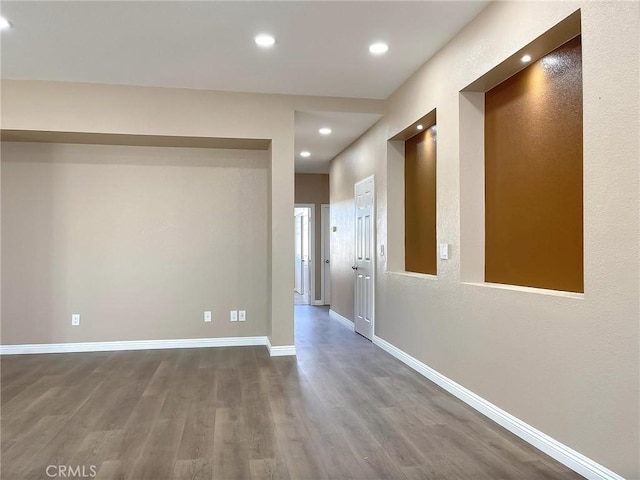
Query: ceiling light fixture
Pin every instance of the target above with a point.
(420, 127)
(378, 48)
(305, 154)
(265, 40)
(325, 131)
(526, 58)
(4, 23)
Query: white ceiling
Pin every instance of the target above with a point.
(346, 127)
(321, 49)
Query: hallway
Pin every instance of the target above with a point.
(300, 299)
(380, 419)
(342, 409)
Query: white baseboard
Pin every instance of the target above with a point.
(343, 320)
(562, 453)
(281, 350)
(317, 302)
(131, 345)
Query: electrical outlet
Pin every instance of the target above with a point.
(242, 315)
(75, 319)
(234, 316)
(207, 316)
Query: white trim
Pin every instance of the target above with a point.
(283, 351)
(343, 320)
(317, 302)
(374, 254)
(280, 350)
(312, 248)
(130, 345)
(325, 217)
(36, 348)
(562, 453)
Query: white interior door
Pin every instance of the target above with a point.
(306, 259)
(326, 255)
(298, 254)
(365, 257)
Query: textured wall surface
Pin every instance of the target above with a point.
(138, 240)
(116, 109)
(566, 364)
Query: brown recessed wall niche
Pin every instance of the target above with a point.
(533, 174)
(420, 201)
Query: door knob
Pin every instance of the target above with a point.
(326, 261)
(354, 267)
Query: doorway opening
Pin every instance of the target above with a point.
(304, 252)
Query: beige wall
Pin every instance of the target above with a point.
(565, 364)
(88, 108)
(314, 188)
(139, 240)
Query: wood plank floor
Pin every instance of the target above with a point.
(343, 409)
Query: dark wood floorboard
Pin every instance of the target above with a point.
(342, 409)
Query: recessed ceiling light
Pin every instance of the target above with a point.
(378, 48)
(265, 40)
(4, 23)
(305, 154)
(526, 58)
(325, 131)
(420, 127)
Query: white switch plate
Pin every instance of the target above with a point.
(234, 316)
(207, 316)
(75, 319)
(444, 251)
(242, 315)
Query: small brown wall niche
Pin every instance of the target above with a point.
(420, 202)
(533, 175)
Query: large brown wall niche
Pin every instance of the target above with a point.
(533, 175)
(420, 202)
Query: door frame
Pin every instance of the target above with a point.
(312, 248)
(298, 275)
(323, 258)
(374, 251)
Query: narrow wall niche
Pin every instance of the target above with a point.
(412, 193)
(420, 201)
